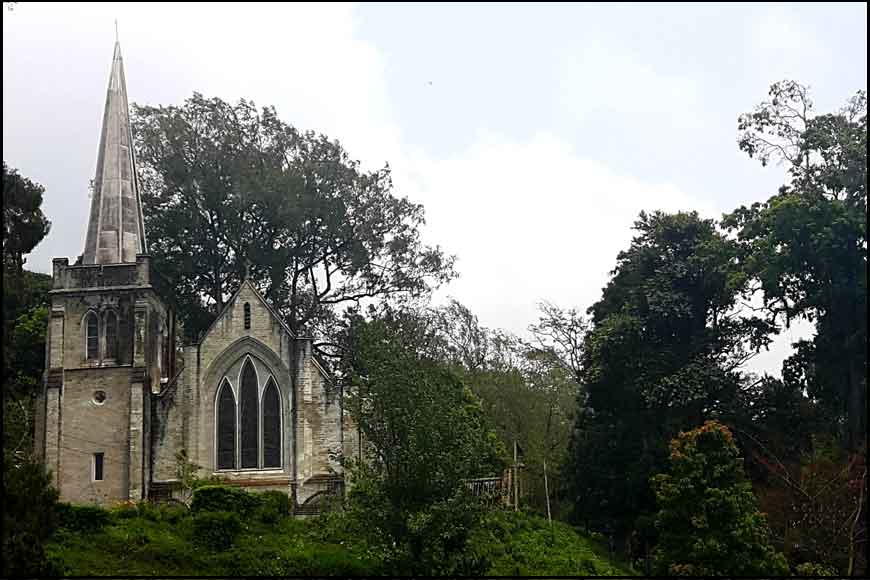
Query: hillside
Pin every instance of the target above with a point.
(168, 540)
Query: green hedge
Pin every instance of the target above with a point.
(81, 518)
(274, 506)
(216, 530)
(218, 498)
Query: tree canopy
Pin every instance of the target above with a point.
(807, 245)
(227, 187)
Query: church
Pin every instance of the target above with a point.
(249, 402)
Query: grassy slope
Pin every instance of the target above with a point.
(159, 542)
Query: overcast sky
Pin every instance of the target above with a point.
(532, 134)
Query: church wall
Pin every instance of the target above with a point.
(221, 354)
(319, 428)
(167, 433)
(87, 428)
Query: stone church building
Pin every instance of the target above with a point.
(249, 402)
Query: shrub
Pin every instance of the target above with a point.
(81, 518)
(216, 498)
(216, 530)
(149, 511)
(29, 518)
(124, 510)
(173, 513)
(708, 517)
(274, 507)
(815, 569)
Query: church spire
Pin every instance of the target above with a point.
(116, 230)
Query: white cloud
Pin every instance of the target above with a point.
(529, 220)
(607, 81)
(532, 221)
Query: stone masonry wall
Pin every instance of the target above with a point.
(88, 428)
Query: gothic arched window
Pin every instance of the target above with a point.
(271, 426)
(226, 427)
(111, 335)
(92, 336)
(247, 316)
(249, 420)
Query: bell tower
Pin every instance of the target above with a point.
(110, 341)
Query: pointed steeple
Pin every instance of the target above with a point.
(116, 230)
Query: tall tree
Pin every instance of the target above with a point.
(667, 340)
(807, 245)
(227, 186)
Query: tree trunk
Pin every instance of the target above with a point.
(547, 493)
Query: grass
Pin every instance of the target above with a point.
(151, 541)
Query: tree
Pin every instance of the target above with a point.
(708, 521)
(807, 245)
(560, 331)
(24, 224)
(425, 432)
(227, 186)
(667, 339)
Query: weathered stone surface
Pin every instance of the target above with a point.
(116, 232)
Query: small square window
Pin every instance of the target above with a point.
(98, 467)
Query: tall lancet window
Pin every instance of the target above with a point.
(111, 335)
(250, 431)
(92, 336)
(271, 426)
(226, 427)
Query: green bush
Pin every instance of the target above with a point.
(29, 518)
(216, 530)
(217, 498)
(815, 569)
(81, 518)
(274, 507)
(173, 513)
(124, 511)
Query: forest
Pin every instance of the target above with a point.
(646, 447)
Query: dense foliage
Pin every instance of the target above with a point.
(229, 186)
(662, 355)
(171, 540)
(708, 521)
(807, 245)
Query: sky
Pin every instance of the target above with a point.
(533, 134)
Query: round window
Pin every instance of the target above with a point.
(99, 397)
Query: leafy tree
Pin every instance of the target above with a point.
(708, 521)
(24, 224)
(227, 186)
(663, 353)
(425, 432)
(807, 245)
